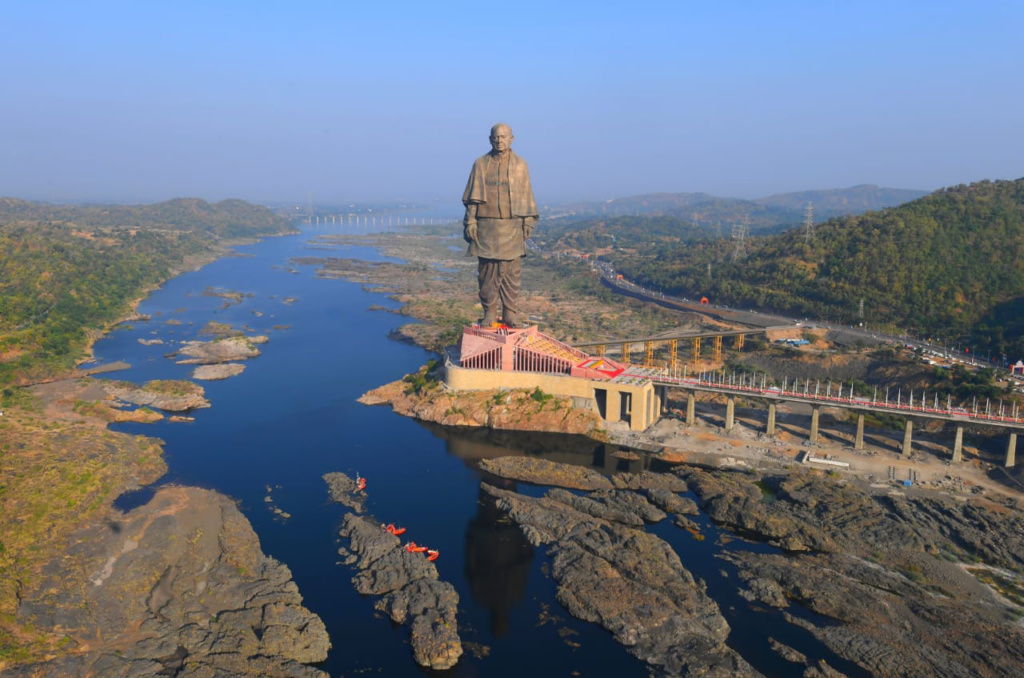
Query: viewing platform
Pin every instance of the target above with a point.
(501, 357)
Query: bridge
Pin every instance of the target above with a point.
(815, 396)
(377, 222)
(670, 341)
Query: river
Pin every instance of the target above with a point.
(292, 416)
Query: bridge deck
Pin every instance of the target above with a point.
(953, 414)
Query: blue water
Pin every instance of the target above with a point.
(292, 416)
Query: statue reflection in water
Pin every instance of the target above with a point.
(498, 559)
(498, 556)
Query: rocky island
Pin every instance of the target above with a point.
(407, 581)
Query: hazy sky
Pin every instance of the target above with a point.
(272, 101)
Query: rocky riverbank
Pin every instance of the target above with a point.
(178, 584)
(422, 397)
(898, 583)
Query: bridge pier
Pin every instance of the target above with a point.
(908, 435)
(1011, 451)
(958, 445)
(858, 440)
(691, 408)
(814, 423)
(661, 392)
(770, 428)
(730, 413)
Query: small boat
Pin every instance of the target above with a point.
(433, 554)
(360, 482)
(413, 547)
(390, 527)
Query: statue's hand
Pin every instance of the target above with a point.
(469, 232)
(528, 226)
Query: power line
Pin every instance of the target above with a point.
(809, 222)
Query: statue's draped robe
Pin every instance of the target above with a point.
(500, 217)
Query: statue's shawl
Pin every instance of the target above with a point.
(520, 189)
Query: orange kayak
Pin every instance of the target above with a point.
(432, 554)
(413, 547)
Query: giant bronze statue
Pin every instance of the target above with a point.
(500, 215)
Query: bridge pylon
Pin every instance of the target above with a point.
(695, 349)
(625, 352)
(673, 353)
(648, 354)
(738, 342)
(716, 349)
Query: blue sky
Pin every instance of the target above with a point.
(274, 101)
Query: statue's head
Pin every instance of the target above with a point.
(501, 138)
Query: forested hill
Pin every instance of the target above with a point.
(67, 270)
(227, 219)
(948, 264)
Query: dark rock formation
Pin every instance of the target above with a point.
(629, 582)
(543, 472)
(178, 586)
(407, 581)
(670, 502)
(647, 480)
(893, 572)
(344, 491)
(620, 506)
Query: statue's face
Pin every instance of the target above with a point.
(501, 139)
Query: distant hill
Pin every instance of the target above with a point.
(715, 214)
(228, 218)
(841, 201)
(947, 264)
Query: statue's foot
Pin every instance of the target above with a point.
(488, 320)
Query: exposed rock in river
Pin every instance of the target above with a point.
(213, 605)
(407, 581)
(216, 372)
(630, 582)
(893, 571)
(168, 395)
(544, 472)
(344, 491)
(219, 350)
